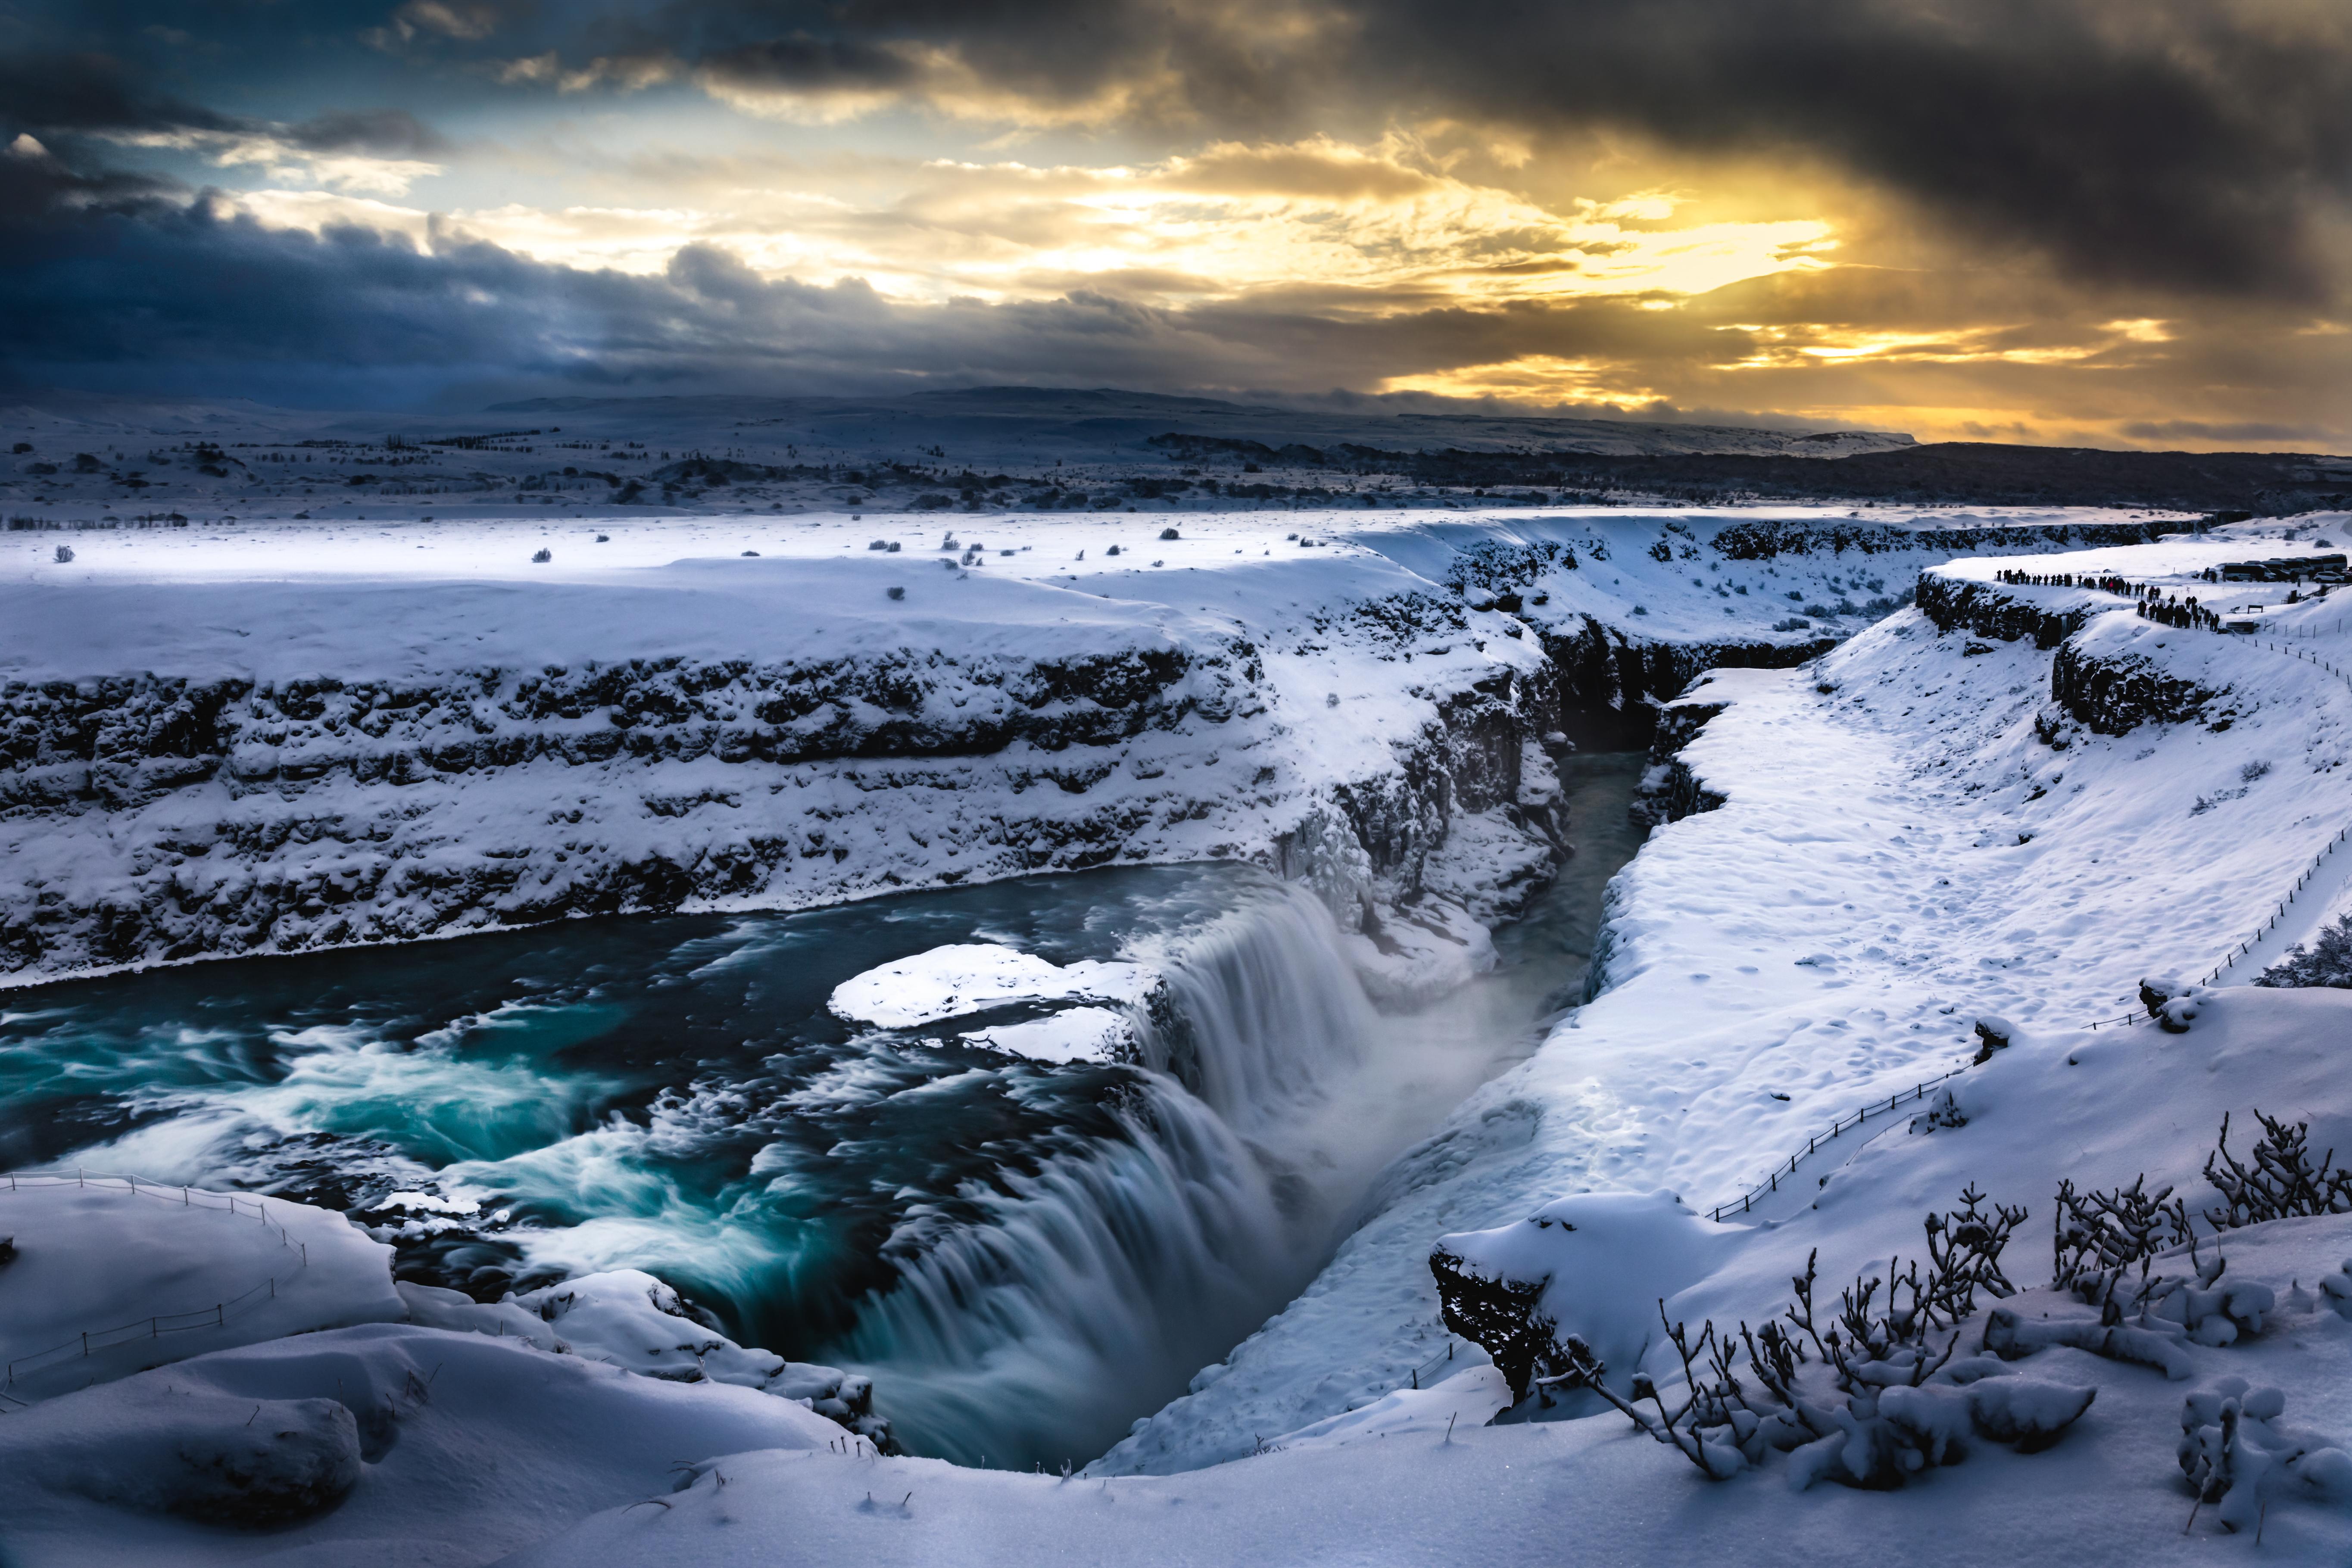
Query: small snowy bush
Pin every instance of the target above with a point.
(2329, 962)
(2239, 1459)
(2281, 1184)
(1866, 1399)
(542, 556)
(63, 555)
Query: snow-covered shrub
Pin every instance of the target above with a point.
(1944, 1111)
(2171, 1002)
(2010, 1335)
(2329, 962)
(541, 556)
(2099, 1235)
(2208, 1311)
(1877, 1398)
(2238, 1458)
(2282, 1182)
(2335, 1291)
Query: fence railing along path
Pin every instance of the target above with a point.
(1780, 1173)
(154, 1325)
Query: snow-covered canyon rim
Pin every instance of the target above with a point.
(266, 738)
(2015, 802)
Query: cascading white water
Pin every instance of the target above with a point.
(1101, 1283)
(1261, 1007)
(1026, 1255)
(1104, 1279)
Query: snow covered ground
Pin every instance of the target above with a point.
(1899, 852)
(266, 738)
(1924, 827)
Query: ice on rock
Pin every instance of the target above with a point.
(971, 976)
(630, 1319)
(1594, 1266)
(1072, 1034)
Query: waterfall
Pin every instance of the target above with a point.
(1100, 1284)
(1097, 1289)
(1261, 1007)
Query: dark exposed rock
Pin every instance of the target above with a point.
(1989, 609)
(1502, 1317)
(2115, 693)
(1669, 790)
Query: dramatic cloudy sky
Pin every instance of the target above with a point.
(2119, 222)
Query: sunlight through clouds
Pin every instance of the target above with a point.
(1380, 225)
(2102, 222)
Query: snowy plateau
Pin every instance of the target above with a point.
(1966, 845)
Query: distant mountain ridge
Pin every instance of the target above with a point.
(1021, 421)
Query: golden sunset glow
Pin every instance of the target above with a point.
(1548, 208)
(1381, 226)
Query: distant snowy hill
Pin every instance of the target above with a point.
(1005, 425)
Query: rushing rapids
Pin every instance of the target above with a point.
(1025, 1255)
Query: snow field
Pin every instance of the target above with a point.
(2110, 1489)
(1900, 851)
(153, 1275)
(408, 764)
(1898, 855)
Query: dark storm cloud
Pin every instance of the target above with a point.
(40, 191)
(2193, 144)
(379, 132)
(92, 93)
(2180, 143)
(196, 298)
(98, 95)
(799, 63)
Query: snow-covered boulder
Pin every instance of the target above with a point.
(628, 1319)
(1595, 1266)
(443, 1448)
(110, 1276)
(224, 1459)
(973, 976)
